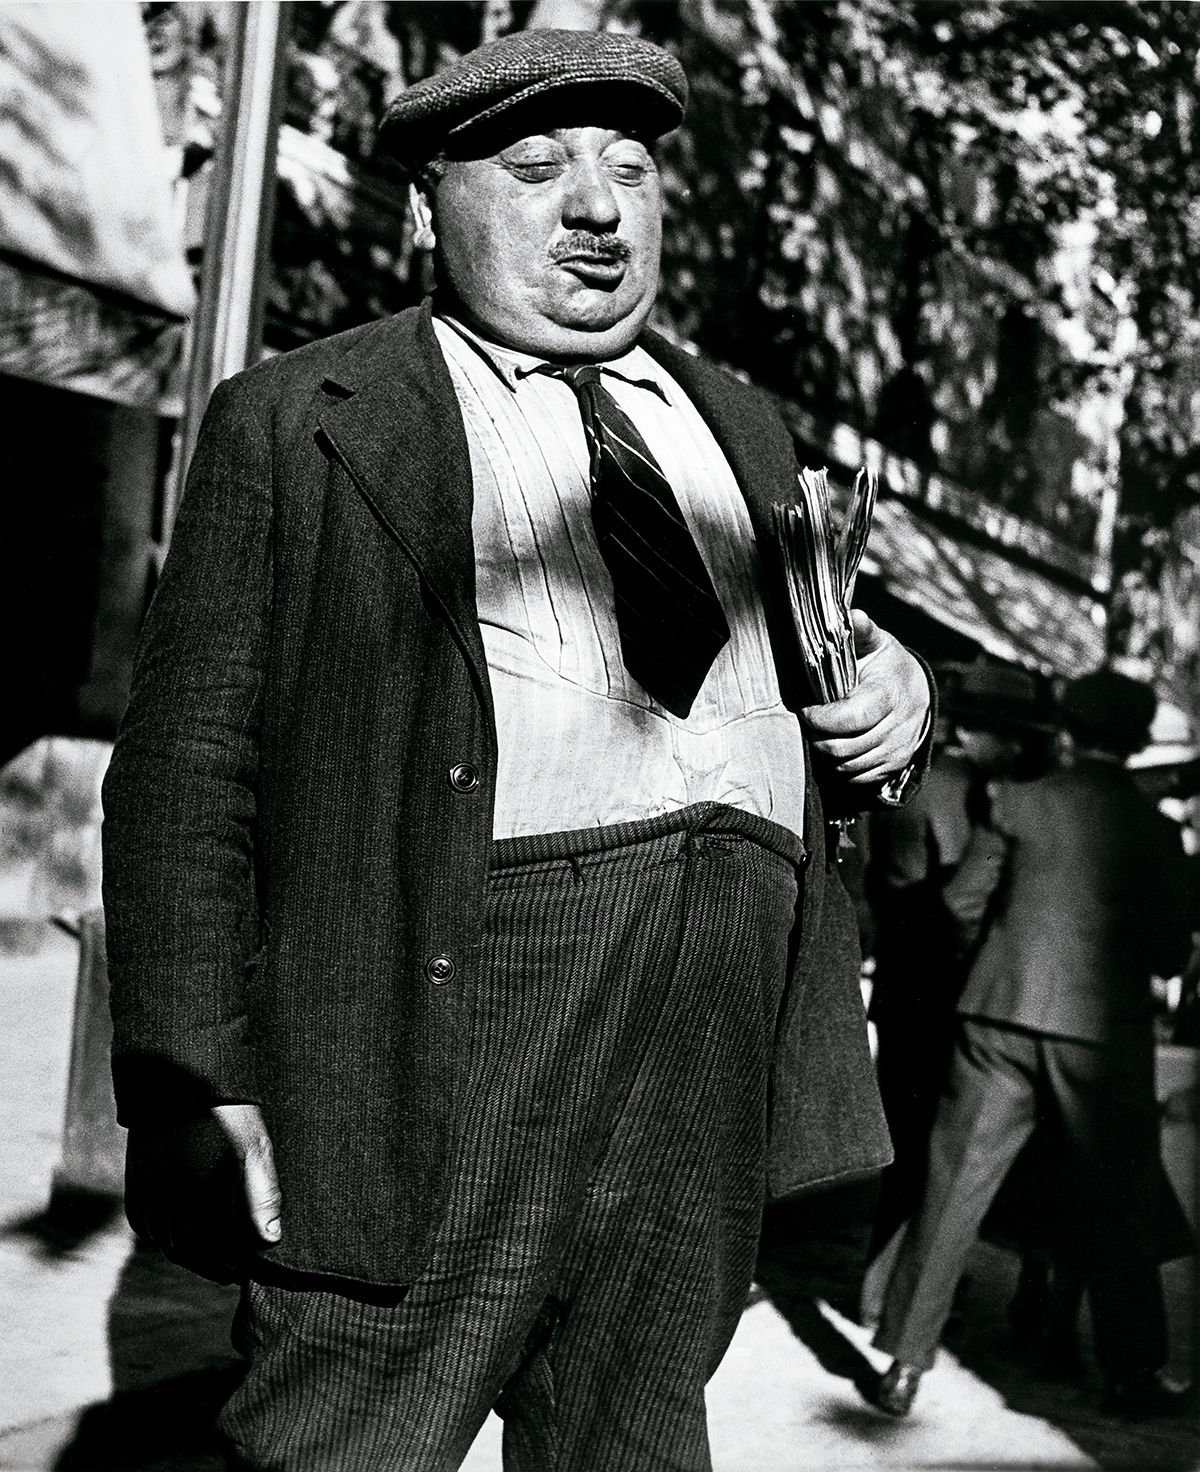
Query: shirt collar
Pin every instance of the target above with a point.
(512, 366)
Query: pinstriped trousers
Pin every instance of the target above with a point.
(608, 1170)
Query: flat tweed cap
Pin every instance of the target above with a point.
(643, 85)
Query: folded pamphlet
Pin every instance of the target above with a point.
(820, 566)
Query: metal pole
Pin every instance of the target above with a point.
(227, 329)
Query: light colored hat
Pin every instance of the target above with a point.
(641, 86)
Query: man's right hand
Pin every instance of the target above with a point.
(204, 1190)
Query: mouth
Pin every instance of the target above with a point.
(592, 258)
(594, 268)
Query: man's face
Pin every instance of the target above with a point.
(551, 246)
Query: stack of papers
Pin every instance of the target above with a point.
(820, 567)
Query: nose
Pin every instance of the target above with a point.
(590, 202)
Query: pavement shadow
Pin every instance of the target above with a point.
(814, 1246)
(835, 1353)
(172, 1370)
(159, 1428)
(69, 1221)
(982, 1342)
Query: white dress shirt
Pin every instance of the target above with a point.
(581, 744)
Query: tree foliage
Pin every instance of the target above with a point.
(968, 229)
(972, 230)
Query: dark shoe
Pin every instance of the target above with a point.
(1147, 1395)
(897, 1389)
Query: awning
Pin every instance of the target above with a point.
(1011, 612)
(84, 178)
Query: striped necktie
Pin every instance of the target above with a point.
(669, 617)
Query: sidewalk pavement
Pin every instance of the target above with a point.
(113, 1361)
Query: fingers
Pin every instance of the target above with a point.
(243, 1123)
(856, 714)
(262, 1191)
(871, 758)
(882, 759)
(873, 732)
(868, 636)
(183, 1195)
(204, 1191)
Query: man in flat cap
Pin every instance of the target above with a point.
(469, 914)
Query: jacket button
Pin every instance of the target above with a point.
(440, 969)
(464, 777)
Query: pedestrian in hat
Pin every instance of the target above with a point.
(993, 717)
(465, 855)
(1083, 885)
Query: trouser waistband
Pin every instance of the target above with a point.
(687, 823)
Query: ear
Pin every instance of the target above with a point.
(422, 213)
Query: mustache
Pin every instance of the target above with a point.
(604, 246)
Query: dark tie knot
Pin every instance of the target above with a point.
(582, 375)
(578, 376)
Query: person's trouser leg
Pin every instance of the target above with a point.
(913, 1062)
(983, 1119)
(608, 1177)
(1105, 1098)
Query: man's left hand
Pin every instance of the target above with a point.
(872, 733)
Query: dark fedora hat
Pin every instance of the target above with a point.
(637, 84)
(992, 697)
(1109, 710)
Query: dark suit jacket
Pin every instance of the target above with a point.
(1090, 900)
(288, 867)
(914, 851)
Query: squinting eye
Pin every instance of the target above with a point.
(627, 163)
(626, 173)
(534, 170)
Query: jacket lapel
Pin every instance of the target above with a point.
(391, 416)
(758, 447)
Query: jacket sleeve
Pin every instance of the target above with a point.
(1172, 911)
(180, 793)
(973, 891)
(970, 892)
